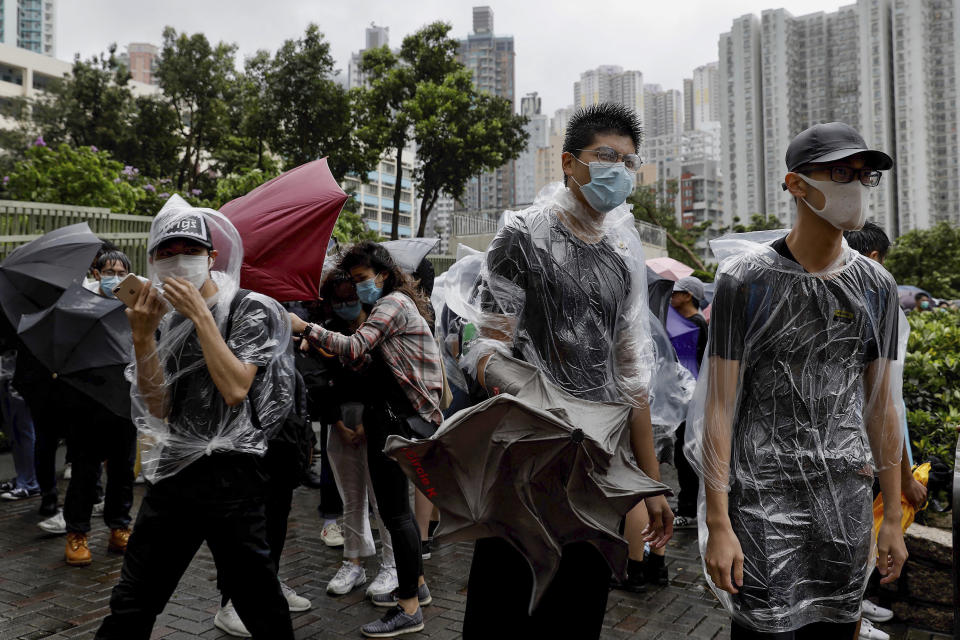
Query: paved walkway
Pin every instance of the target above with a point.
(40, 597)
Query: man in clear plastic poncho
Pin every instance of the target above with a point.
(563, 288)
(794, 411)
(213, 374)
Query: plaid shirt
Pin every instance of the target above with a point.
(406, 344)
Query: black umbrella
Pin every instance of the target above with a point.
(534, 466)
(34, 275)
(84, 339)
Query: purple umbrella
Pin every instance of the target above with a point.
(684, 335)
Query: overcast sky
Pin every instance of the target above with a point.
(554, 41)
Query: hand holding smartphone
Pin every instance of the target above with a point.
(129, 288)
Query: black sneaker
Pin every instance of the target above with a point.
(19, 493)
(396, 622)
(655, 575)
(425, 549)
(684, 522)
(635, 583)
(48, 506)
(390, 599)
(8, 485)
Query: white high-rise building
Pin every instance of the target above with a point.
(664, 113)
(741, 119)
(29, 24)
(610, 83)
(705, 100)
(538, 129)
(926, 76)
(377, 193)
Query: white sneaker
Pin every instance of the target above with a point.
(349, 577)
(55, 524)
(876, 613)
(870, 632)
(332, 535)
(294, 602)
(229, 622)
(385, 582)
(99, 507)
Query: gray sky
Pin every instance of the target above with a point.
(555, 41)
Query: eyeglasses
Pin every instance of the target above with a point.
(609, 156)
(844, 175)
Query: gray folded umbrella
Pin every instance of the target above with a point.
(533, 465)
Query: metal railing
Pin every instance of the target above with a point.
(441, 262)
(21, 222)
(471, 225)
(956, 543)
(652, 234)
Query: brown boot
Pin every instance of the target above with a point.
(118, 540)
(77, 553)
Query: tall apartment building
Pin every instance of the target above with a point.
(141, 59)
(780, 75)
(610, 83)
(376, 195)
(490, 58)
(687, 104)
(926, 75)
(705, 98)
(538, 129)
(29, 24)
(664, 113)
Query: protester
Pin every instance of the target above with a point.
(19, 427)
(922, 302)
(348, 450)
(872, 242)
(796, 402)
(564, 289)
(207, 393)
(405, 380)
(95, 435)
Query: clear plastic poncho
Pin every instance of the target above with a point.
(199, 422)
(671, 389)
(791, 417)
(566, 292)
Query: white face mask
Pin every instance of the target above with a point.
(845, 204)
(194, 269)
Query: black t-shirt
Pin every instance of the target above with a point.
(568, 297)
(698, 320)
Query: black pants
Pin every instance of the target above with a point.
(50, 422)
(331, 504)
(393, 500)
(500, 585)
(815, 631)
(687, 477)
(220, 500)
(100, 436)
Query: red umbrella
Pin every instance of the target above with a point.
(669, 268)
(285, 225)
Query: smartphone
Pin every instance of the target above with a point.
(129, 288)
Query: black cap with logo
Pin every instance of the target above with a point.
(187, 225)
(830, 142)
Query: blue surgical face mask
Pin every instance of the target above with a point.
(347, 311)
(610, 185)
(368, 291)
(108, 284)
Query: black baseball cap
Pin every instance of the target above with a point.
(188, 225)
(830, 142)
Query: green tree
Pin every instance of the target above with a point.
(758, 222)
(66, 175)
(929, 259)
(388, 106)
(308, 115)
(199, 81)
(91, 106)
(152, 142)
(459, 133)
(681, 242)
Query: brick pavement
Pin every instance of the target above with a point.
(40, 597)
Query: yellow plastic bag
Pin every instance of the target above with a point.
(922, 475)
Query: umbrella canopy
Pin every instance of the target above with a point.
(34, 275)
(907, 294)
(408, 253)
(85, 340)
(669, 268)
(286, 225)
(533, 465)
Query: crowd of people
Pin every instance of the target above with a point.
(796, 421)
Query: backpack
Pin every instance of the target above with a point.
(290, 444)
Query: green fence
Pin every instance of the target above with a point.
(21, 222)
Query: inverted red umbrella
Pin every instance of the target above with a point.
(285, 225)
